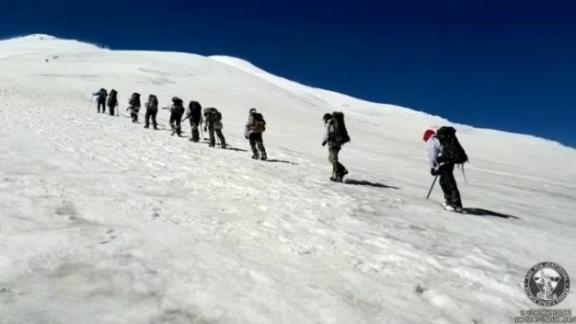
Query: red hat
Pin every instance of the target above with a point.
(427, 134)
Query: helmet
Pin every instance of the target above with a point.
(327, 116)
(252, 110)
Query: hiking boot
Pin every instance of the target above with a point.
(449, 208)
(263, 158)
(255, 157)
(146, 126)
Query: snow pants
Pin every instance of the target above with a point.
(338, 170)
(195, 134)
(175, 123)
(449, 186)
(134, 115)
(102, 104)
(257, 146)
(218, 130)
(151, 116)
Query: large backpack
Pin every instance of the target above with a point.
(452, 151)
(102, 94)
(259, 124)
(113, 99)
(177, 109)
(213, 115)
(152, 104)
(135, 100)
(195, 110)
(340, 132)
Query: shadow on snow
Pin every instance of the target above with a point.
(281, 161)
(368, 183)
(486, 212)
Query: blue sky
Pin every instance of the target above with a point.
(508, 65)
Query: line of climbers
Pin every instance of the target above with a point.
(444, 150)
(210, 117)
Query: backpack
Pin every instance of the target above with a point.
(112, 99)
(195, 111)
(213, 115)
(135, 100)
(102, 94)
(152, 104)
(259, 124)
(177, 109)
(452, 151)
(340, 132)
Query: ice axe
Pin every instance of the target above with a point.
(431, 187)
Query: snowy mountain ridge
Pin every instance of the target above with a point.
(52, 43)
(103, 221)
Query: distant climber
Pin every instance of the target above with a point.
(213, 124)
(151, 111)
(336, 136)
(134, 106)
(255, 126)
(176, 113)
(112, 101)
(101, 99)
(194, 113)
(444, 151)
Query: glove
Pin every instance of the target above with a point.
(434, 172)
(324, 143)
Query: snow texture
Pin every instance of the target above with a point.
(103, 221)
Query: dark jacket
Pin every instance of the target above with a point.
(101, 95)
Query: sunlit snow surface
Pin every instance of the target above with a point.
(103, 221)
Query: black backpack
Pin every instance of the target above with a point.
(113, 99)
(259, 122)
(177, 109)
(135, 100)
(195, 111)
(452, 151)
(213, 115)
(341, 133)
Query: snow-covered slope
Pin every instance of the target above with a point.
(103, 221)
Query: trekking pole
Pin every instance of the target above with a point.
(431, 187)
(463, 173)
